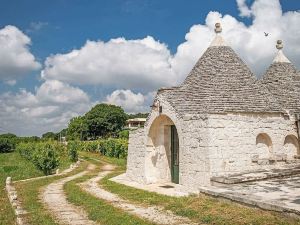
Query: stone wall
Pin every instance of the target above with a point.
(194, 161)
(193, 141)
(243, 142)
(136, 156)
(209, 145)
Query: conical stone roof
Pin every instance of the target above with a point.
(221, 82)
(283, 80)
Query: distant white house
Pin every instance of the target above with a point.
(136, 123)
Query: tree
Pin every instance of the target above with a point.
(138, 115)
(49, 135)
(104, 120)
(7, 144)
(8, 135)
(77, 129)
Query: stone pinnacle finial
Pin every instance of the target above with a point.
(218, 28)
(280, 57)
(279, 45)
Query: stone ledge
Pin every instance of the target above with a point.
(257, 175)
(15, 203)
(249, 200)
(270, 160)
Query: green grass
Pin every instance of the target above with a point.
(13, 165)
(121, 163)
(203, 209)
(29, 195)
(38, 215)
(97, 209)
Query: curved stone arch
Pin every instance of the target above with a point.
(156, 132)
(264, 145)
(170, 112)
(291, 145)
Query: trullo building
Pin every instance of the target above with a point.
(221, 120)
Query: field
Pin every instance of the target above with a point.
(198, 209)
(12, 164)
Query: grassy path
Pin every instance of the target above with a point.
(29, 193)
(99, 210)
(154, 214)
(54, 198)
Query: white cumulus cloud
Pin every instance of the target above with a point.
(16, 60)
(243, 8)
(146, 64)
(133, 68)
(119, 63)
(249, 42)
(129, 101)
(48, 109)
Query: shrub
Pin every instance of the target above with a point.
(123, 148)
(120, 147)
(45, 157)
(7, 145)
(109, 145)
(73, 147)
(112, 147)
(26, 149)
(91, 146)
(124, 134)
(59, 148)
(102, 147)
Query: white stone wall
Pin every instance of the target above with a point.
(233, 141)
(193, 155)
(136, 156)
(209, 145)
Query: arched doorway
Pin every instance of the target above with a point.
(162, 157)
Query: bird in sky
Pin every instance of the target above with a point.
(266, 34)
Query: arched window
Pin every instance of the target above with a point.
(291, 145)
(263, 145)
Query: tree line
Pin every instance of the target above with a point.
(102, 121)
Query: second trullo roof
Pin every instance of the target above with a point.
(283, 80)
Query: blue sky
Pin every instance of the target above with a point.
(58, 27)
